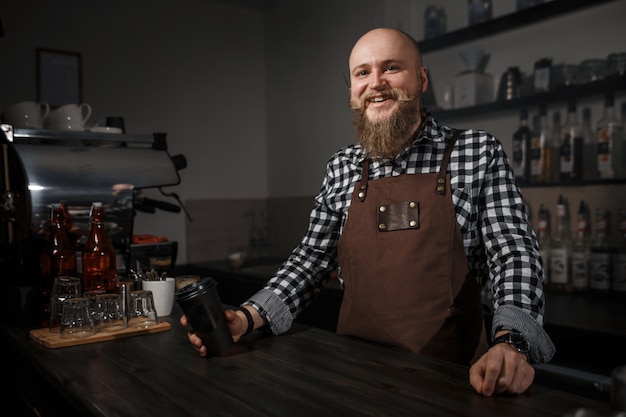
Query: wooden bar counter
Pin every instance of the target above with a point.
(307, 372)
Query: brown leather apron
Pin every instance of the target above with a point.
(405, 271)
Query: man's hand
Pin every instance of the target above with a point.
(237, 324)
(501, 369)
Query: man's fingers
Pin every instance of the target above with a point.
(501, 370)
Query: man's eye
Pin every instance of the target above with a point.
(390, 68)
(361, 73)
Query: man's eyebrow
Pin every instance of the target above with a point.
(395, 61)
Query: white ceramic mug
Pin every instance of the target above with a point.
(162, 293)
(26, 114)
(68, 117)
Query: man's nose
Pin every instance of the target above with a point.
(378, 80)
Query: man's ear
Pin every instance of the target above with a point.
(346, 80)
(424, 76)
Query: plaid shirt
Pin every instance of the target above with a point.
(501, 245)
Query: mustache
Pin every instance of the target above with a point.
(392, 94)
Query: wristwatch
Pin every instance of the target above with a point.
(516, 340)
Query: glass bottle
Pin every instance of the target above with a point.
(58, 257)
(618, 270)
(478, 11)
(609, 136)
(590, 148)
(99, 268)
(544, 238)
(600, 254)
(580, 250)
(541, 150)
(521, 148)
(571, 146)
(434, 22)
(555, 142)
(560, 250)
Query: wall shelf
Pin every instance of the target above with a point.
(508, 22)
(610, 84)
(570, 184)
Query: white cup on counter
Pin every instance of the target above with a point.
(68, 117)
(162, 293)
(26, 114)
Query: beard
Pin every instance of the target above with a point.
(388, 137)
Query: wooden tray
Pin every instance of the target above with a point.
(53, 340)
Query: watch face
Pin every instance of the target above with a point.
(518, 342)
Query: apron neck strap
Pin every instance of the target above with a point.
(364, 178)
(440, 187)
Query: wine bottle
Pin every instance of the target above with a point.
(571, 146)
(580, 250)
(560, 250)
(58, 257)
(99, 259)
(609, 136)
(541, 150)
(600, 254)
(590, 148)
(544, 238)
(521, 148)
(618, 270)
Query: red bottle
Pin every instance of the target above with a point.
(58, 257)
(98, 255)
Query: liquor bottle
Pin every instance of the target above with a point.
(618, 270)
(610, 140)
(434, 22)
(478, 11)
(541, 150)
(521, 148)
(571, 146)
(590, 148)
(99, 268)
(555, 142)
(580, 251)
(544, 238)
(600, 254)
(57, 258)
(560, 250)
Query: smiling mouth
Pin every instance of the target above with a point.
(380, 99)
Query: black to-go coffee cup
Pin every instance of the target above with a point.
(201, 304)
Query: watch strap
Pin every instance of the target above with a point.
(516, 340)
(248, 318)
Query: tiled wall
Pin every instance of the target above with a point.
(220, 227)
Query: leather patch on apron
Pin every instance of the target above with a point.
(398, 216)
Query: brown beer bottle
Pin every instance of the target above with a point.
(58, 257)
(98, 255)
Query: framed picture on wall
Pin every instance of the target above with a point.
(59, 77)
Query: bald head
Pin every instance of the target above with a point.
(376, 41)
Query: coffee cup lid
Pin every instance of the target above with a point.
(194, 289)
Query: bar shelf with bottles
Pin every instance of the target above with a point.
(586, 261)
(570, 154)
(610, 84)
(508, 22)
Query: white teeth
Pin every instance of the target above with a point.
(378, 99)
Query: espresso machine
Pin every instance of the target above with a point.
(41, 167)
